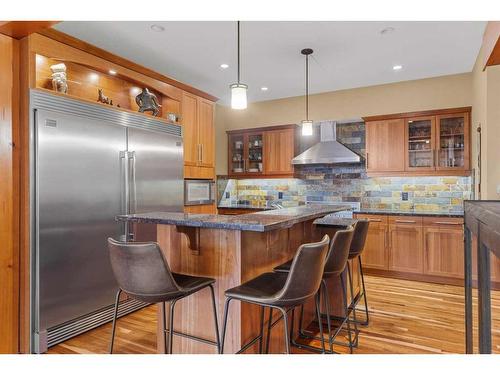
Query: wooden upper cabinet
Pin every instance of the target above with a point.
(279, 151)
(198, 136)
(261, 152)
(190, 129)
(433, 142)
(206, 133)
(385, 146)
(406, 252)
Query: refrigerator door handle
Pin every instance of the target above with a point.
(125, 192)
(133, 186)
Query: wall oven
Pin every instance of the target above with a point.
(198, 192)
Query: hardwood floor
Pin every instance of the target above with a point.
(405, 317)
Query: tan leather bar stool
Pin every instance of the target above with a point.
(143, 274)
(335, 265)
(282, 291)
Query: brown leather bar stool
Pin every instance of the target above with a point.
(357, 247)
(143, 274)
(335, 265)
(282, 291)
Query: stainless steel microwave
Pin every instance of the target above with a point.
(197, 192)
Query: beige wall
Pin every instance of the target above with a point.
(433, 93)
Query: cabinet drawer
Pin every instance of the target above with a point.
(405, 220)
(382, 219)
(452, 222)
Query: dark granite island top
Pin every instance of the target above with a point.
(256, 222)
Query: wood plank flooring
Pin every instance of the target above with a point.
(405, 317)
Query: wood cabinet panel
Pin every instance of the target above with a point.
(279, 151)
(385, 146)
(206, 133)
(201, 209)
(190, 129)
(444, 251)
(406, 245)
(375, 254)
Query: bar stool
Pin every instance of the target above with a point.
(357, 247)
(335, 265)
(144, 274)
(282, 291)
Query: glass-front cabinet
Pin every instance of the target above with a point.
(246, 153)
(452, 142)
(420, 143)
(437, 142)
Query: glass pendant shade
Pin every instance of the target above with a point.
(307, 127)
(238, 96)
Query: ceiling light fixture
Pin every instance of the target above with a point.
(224, 66)
(238, 90)
(387, 30)
(157, 28)
(397, 67)
(264, 88)
(112, 72)
(307, 125)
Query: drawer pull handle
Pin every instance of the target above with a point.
(406, 221)
(447, 223)
(375, 220)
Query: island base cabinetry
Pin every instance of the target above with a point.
(231, 257)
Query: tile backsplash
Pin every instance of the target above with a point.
(349, 183)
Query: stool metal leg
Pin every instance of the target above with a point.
(326, 299)
(262, 311)
(171, 327)
(320, 322)
(164, 319)
(365, 323)
(355, 320)
(217, 337)
(346, 311)
(117, 301)
(224, 325)
(269, 322)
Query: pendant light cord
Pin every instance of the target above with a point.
(238, 52)
(307, 87)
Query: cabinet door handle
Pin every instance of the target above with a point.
(374, 220)
(405, 221)
(367, 162)
(447, 223)
(201, 153)
(385, 239)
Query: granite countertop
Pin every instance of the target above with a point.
(336, 222)
(258, 221)
(409, 213)
(246, 207)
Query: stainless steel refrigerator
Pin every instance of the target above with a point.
(90, 163)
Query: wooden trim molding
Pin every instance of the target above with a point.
(432, 112)
(262, 128)
(96, 51)
(21, 29)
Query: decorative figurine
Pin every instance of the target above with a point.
(59, 80)
(147, 101)
(103, 98)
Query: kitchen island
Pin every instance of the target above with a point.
(232, 249)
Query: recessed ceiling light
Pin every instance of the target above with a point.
(387, 30)
(94, 77)
(264, 88)
(112, 72)
(224, 66)
(157, 28)
(397, 67)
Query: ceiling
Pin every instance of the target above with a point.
(346, 54)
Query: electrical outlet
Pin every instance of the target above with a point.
(228, 195)
(280, 195)
(498, 189)
(404, 196)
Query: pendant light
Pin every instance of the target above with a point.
(307, 125)
(238, 90)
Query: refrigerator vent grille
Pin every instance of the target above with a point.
(50, 102)
(91, 321)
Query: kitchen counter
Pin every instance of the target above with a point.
(240, 206)
(257, 222)
(408, 213)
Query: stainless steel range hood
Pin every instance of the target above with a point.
(328, 150)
